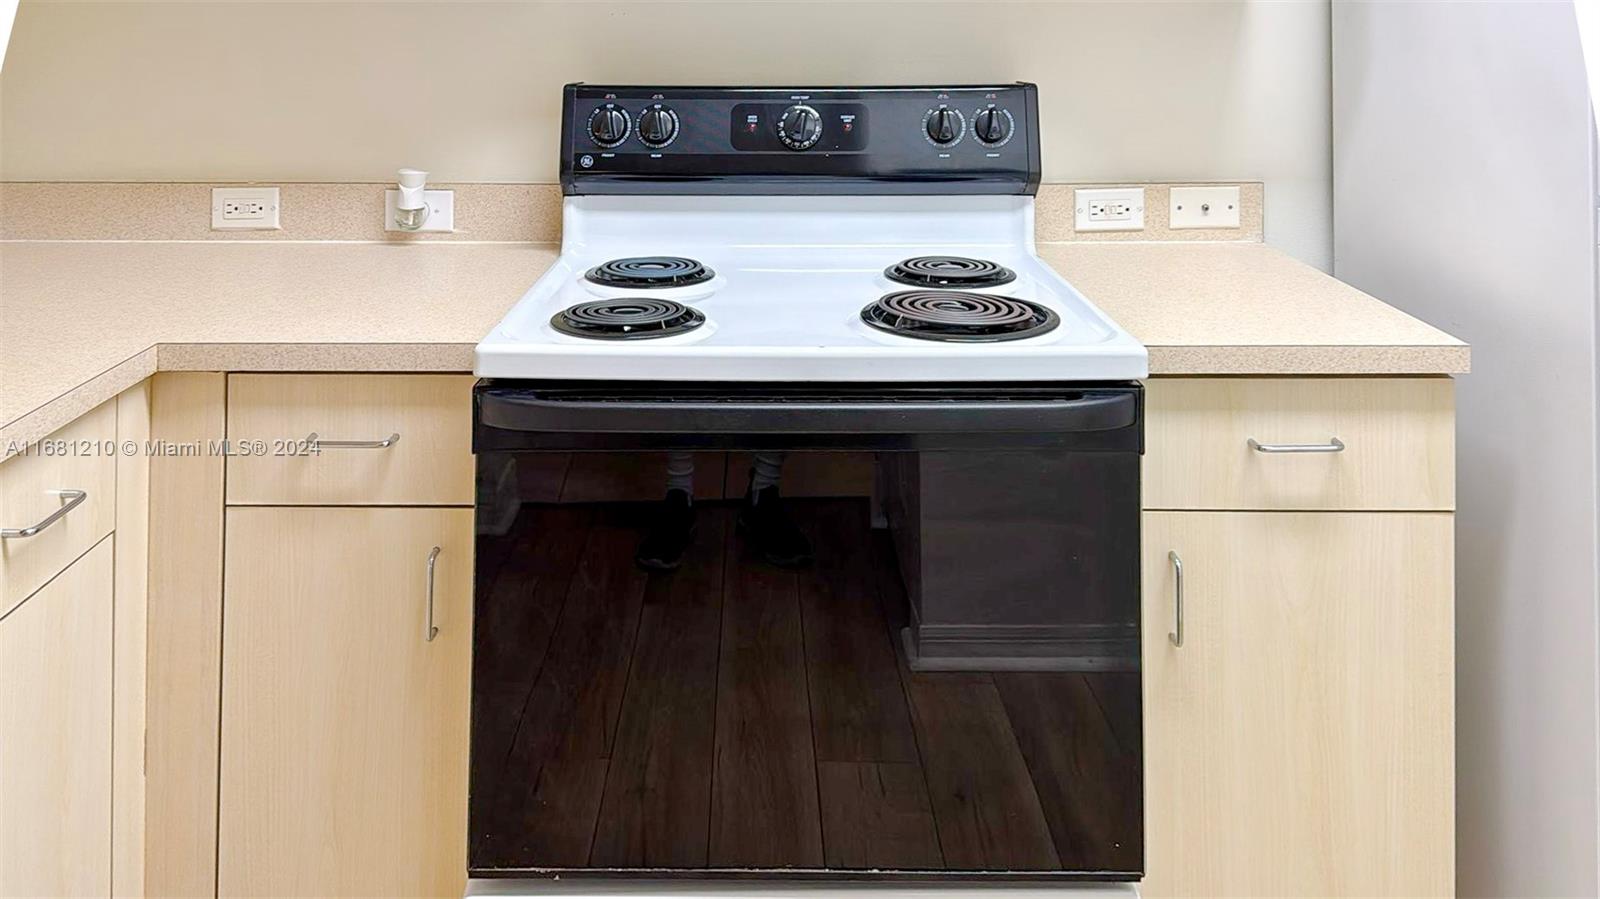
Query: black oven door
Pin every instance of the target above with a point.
(951, 688)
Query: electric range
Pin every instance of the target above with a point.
(793, 288)
(815, 270)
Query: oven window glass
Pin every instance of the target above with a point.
(950, 684)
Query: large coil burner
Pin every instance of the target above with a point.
(957, 316)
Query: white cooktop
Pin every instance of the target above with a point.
(792, 276)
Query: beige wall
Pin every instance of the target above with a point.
(282, 91)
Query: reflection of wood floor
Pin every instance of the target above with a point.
(734, 715)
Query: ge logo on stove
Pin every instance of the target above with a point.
(586, 161)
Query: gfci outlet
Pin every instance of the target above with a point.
(244, 209)
(1109, 209)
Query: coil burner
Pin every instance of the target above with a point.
(645, 272)
(960, 317)
(629, 318)
(956, 272)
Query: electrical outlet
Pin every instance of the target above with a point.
(1109, 209)
(234, 210)
(441, 211)
(1204, 207)
(244, 209)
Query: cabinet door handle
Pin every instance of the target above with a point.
(1334, 445)
(319, 443)
(71, 500)
(431, 631)
(1176, 634)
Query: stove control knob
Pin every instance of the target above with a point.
(608, 125)
(992, 125)
(944, 125)
(800, 128)
(658, 125)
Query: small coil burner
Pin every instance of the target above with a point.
(959, 317)
(650, 271)
(949, 271)
(630, 318)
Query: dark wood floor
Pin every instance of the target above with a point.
(734, 715)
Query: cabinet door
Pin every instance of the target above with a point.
(1300, 742)
(344, 730)
(55, 735)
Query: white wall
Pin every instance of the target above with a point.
(1464, 193)
(1129, 90)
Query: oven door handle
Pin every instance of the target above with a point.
(533, 410)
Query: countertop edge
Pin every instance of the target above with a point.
(1266, 360)
(1375, 360)
(67, 407)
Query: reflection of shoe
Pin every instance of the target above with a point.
(670, 534)
(772, 532)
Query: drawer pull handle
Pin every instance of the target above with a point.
(431, 631)
(1176, 634)
(71, 500)
(1334, 445)
(320, 444)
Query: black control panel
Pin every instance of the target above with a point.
(732, 140)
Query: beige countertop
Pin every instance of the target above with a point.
(81, 321)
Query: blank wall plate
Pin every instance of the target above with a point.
(244, 209)
(1204, 207)
(441, 211)
(1109, 209)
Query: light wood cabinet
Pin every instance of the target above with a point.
(344, 729)
(389, 440)
(82, 458)
(183, 631)
(130, 628)
(1398, 437)
(1300, 742)
(55, 735)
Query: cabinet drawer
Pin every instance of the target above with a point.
(354, 461)
(80, 457)
(1398, 438)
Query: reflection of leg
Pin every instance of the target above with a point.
(771, 531)
(680, 471)
(670, 534)
(765, 471)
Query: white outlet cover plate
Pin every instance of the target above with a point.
(1133, 196)
(441, 211)
(266, 221)
(1204, 207)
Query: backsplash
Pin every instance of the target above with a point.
(1054, 215)
(484, 213)
(46, 210)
